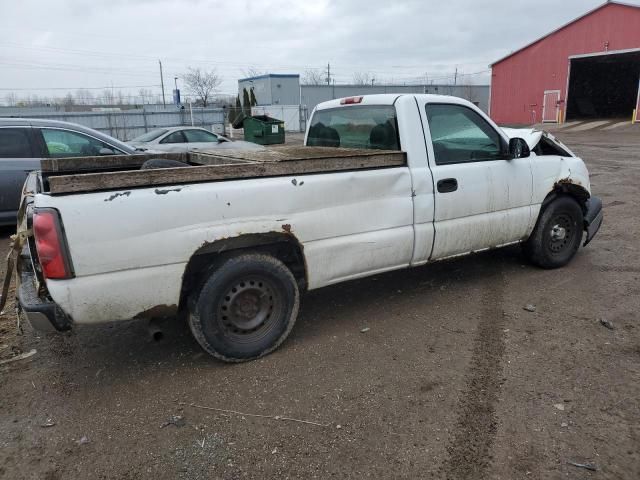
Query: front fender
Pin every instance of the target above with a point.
(557, 174)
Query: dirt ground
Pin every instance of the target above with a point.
(454, 378)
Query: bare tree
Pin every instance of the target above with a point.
(202, 83)
(37, 101)
(145, 95)
(84, 96)
(108, 98)
(468, 90)
(68, 100)
(313, 76)
(363, 78)
(252, 72)
(11, 99)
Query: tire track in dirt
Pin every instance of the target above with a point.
(472, 439)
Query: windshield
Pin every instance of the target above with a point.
(362, 126)
(150, 136)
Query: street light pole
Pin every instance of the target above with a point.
(164, 103)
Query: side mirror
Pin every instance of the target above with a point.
(106, 151)
(518, 148)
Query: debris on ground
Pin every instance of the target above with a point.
(48, 423)
(559, 406)
(587, 466)
(606, 323)
(176, 420)
(529, 308)
(365, 330)
(273, 417)
(83, 440)
(22, 356)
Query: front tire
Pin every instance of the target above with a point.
(246, 308)
(557, 235)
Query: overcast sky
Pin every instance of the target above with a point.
(48, 47)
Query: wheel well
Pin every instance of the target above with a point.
(577, 192)
(284, 247)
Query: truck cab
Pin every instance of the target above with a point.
(476, 185)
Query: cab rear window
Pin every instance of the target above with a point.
(362, 126)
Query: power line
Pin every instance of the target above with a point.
(119, 56)
(79, 88)
(78, 68)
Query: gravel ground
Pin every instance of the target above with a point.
(453, 379)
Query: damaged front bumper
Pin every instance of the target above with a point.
(592, 218)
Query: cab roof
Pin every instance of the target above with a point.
(390, 99)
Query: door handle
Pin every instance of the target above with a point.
(447, 185)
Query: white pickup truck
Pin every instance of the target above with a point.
(235, 251)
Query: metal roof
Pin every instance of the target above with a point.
(270, 75)
(593, 10)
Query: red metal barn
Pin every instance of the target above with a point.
(588, 68)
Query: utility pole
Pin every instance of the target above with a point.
(328, 74)
(455, 77)
(164, 102)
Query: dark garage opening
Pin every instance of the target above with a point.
(604, 86)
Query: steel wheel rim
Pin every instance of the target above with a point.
(561, 233)
(250, 308)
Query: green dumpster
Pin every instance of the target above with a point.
(263, 130)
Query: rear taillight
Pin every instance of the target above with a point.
(350, 100)
(50, 244)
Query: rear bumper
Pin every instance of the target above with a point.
(42, 313)
(593, 218)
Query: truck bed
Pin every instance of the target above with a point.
(90, 174)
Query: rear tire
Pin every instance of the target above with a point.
(246, 308)
(557, 235)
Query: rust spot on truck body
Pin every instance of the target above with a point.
(165, 191)
(566, 181)
(251, 241)
(116, 195)
(159, 311)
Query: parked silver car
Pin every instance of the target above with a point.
(183, 139)
(24, 141)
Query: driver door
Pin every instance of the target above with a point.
(482, 198)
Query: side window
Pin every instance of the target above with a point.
(14, 143)
(194, 136)
(175, 137)
(65, 143)
(460, 135)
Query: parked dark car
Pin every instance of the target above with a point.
(24, 141)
